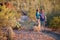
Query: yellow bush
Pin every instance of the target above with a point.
(7, 16)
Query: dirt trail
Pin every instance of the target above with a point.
(52, 34)
(31, 35)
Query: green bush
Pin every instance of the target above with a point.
(53, 20)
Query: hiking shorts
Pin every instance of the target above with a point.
(42, 23)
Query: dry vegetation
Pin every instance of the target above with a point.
(9, 15)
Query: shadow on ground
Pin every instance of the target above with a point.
(52, 34)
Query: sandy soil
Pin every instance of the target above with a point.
(31, 35)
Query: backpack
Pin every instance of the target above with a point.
(42, 17)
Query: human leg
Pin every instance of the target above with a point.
(42, 25)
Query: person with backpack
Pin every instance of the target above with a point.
(42, 19)
(37, 16)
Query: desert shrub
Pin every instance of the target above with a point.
(7, 19)
(6, 16)
(53, 20)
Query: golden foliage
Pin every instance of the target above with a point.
(7, 16)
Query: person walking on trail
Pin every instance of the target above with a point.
(37, 27)
(37, 16)
(42, 19)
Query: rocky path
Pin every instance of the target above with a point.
(31, 35)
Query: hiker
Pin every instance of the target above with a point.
(37, 16)
(42, 18)
(24, 17)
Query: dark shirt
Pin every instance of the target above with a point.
(42, 17)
